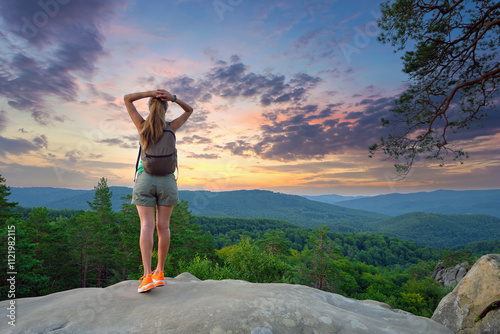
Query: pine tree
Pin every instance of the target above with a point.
(52, 248)
(102, 199)
(318, 267)
(275, 243)
(127, 254)
(187, 239)
(5, 205)
(83, 241)
(29, 278)
(104, 230)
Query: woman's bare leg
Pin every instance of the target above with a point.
(163, 214)
(147, 217)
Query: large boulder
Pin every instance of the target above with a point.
(188, 305)
(474, 305)
(450, 276)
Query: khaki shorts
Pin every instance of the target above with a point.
(152, 190)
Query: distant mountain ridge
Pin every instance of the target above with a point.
(437, 230)
(440, 201)
(332, 199)
(62, 198)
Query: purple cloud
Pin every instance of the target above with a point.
(21, 146)
(3, 120)
(195, 139)
(299, 135)
(203, 156)
(233, 80)
(119, 142)
(66, 34)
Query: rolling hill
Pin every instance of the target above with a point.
(241, 203)
(62, 198)
(439, 201)
(266, 204)
(440, 231)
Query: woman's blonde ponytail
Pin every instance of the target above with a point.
(153, 126)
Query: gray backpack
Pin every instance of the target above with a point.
(159, 158)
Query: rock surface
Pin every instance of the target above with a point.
(450, 276)
(188, 305)
(474, 305)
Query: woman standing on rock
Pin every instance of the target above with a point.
(154, 190)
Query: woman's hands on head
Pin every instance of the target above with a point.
(164, 95)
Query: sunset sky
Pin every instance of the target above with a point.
(288, 96)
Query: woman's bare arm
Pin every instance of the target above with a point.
(179, 121)
(159, 93)
(132, 111)
(188, 110)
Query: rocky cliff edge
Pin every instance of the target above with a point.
(187, 305)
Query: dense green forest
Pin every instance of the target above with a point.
(59, 250)
(372, 249)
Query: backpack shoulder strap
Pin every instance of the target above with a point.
(169, 129)
(137, 162)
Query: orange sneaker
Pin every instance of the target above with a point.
(146, 284)
(159, 279)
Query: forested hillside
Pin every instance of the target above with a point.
(215, 203)
(61, 198)
(480, 247)
(43, 196)
(441, 231)
(435, 230)
(243, 203)
(266, 204)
